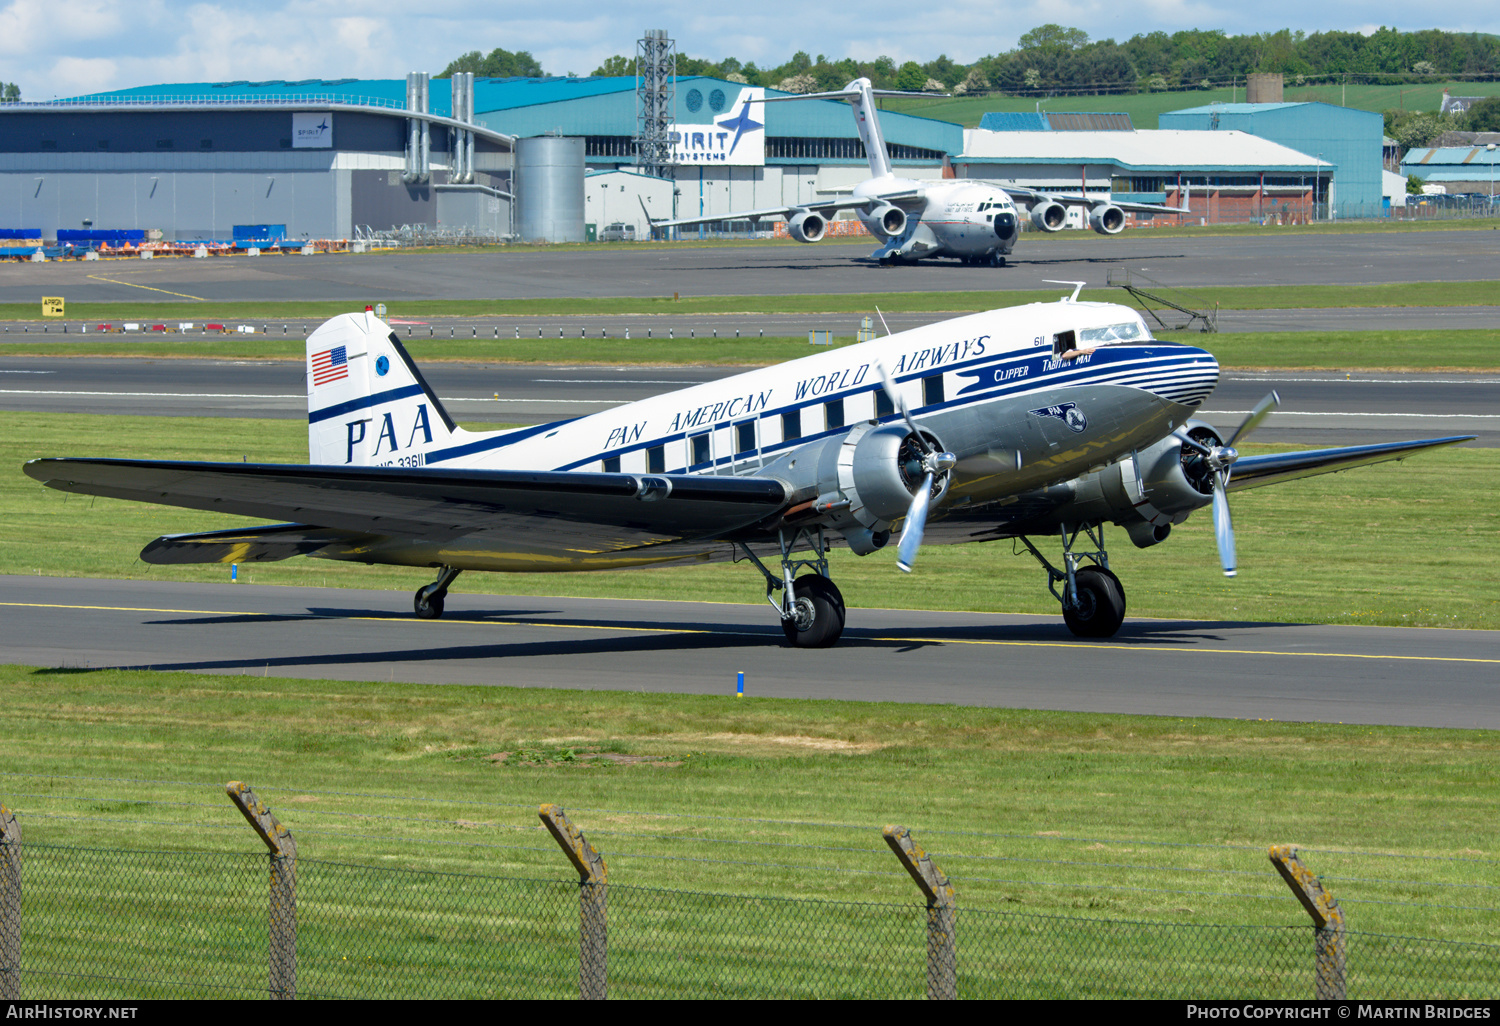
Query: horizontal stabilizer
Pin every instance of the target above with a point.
(256, 545)
(1273, 468)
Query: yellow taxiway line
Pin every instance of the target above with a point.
(133, 285)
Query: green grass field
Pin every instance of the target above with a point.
(1099, 815)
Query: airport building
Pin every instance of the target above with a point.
(1350, 140)
(531, 158)
(1219, 176)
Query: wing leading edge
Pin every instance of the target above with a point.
(1274, 468)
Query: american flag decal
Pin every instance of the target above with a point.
(330, 365)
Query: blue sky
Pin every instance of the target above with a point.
(66, 47)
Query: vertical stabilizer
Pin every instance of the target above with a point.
(367, 404)
(867, 121)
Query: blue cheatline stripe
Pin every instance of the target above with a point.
(363, 403)
(485, 444)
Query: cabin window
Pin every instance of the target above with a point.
(835, 413)
(932, 390)
(791, 425)
(612, 464)
(883, 405)
(744, 437)
(700, 449)
(656, 460)
(1063, 341)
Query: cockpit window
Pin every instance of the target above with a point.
(1130, 331)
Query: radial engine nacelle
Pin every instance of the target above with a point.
(1107, 219)
(1151, 490)
(865, 480)
(888, 219)
(1049, 216)
(807, 226)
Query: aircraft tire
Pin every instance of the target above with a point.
(827, 607)
(1101, 604)
(428, 604)
(997, 259)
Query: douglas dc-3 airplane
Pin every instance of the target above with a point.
(1051, 419)
(974, 221)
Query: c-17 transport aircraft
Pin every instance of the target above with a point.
(974, 221)
(1049, 420)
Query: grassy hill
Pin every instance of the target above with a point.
(1144, 108)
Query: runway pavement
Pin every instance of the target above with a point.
(1182, 260)
(1439, 678)
(1319, 408)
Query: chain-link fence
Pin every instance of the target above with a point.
(89, 923)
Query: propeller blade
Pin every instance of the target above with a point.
(1223, 526)
(914, 526)
(1261, 411)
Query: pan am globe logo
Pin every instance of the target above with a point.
(1068, 413)
(738, 136)
(312, 131)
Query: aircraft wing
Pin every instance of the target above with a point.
(827, 208)
(541, 510)
(1030, 196)
(1256, 471)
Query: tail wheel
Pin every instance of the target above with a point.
(428, 602)
(818, 617)
(1101, 604)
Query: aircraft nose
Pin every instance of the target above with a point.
(1005, 224)
(1188, 375)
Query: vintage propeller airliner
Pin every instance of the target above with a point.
(1049, 420)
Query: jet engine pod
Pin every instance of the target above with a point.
(807, 226)
(1049, 215)
(890, 219)
(1107, 219)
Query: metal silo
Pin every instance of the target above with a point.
(549, 186)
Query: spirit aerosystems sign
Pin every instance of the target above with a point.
(312, 131)
(737, 136)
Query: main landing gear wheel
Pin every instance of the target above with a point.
(1101, 604)
(818, 616)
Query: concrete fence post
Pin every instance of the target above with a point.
(283, 897)
(1328, 922)
(593, 898)
(942, 954)
(10, 906)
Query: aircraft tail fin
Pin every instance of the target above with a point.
(367, 404)
(861, 96)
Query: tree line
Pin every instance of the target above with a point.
(1054, 59)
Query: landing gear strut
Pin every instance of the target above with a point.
(428, 601)
(811, 607)
(1093, 599)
